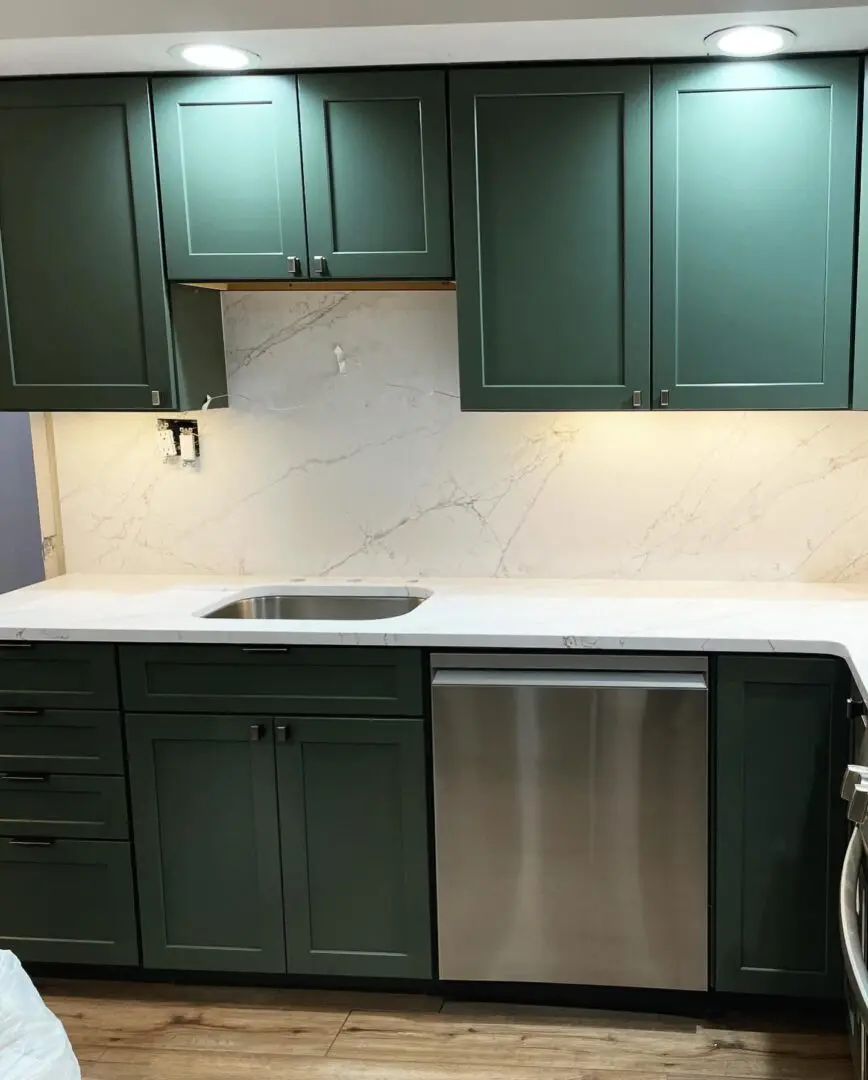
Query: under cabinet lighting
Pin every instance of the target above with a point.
(748, 41)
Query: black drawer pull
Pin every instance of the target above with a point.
(282, 731)
(257, 731)
(31, 843)
(265, 648)
(31, 777)
(16, 644)
(21, 712)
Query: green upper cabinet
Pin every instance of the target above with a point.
(230, 177)
(754, 200)
(781, 747)
(376, 174)
(84, 313)
(551, 189)
(860, 344)
(354, 838)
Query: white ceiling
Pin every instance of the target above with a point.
(56, 36)
(80, 18)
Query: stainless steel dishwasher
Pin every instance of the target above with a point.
(571, 815)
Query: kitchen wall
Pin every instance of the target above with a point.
(345, 453)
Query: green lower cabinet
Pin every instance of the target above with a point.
(753, 270)
(781, 746)
(206, 842)
(354, 837)
(67, 901)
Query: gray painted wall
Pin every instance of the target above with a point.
(20, 537)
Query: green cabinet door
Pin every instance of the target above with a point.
(376, 174)
(354, 837)
(781, 747)
(83, 310)
(754, 200)
(860, 342)
(230, 177)
(551, 189)
(204, 818)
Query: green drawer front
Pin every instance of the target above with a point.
(47, 741)
(63, 675)
(289, 680)
(70, 901)
(79, 807)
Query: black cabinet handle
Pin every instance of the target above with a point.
(30, 843)
(16, 644)
(256, 732)
(21, 712)
(282, 732)
(23, 777)
(265, 648)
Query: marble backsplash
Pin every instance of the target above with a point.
(345, 453)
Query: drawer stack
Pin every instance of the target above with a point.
(66, 882)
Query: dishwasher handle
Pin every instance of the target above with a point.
(493, 678)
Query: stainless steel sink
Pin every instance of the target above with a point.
(317, 606)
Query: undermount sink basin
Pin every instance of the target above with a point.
(317, 606)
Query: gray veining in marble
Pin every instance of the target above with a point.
(345, 452)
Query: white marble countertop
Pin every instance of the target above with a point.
(690, 616)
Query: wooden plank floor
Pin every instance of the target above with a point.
(128, 1031)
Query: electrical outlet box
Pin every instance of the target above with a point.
(179, 439)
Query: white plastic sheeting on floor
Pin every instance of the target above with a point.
(33, 1043)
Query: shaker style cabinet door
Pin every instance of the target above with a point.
(376, 174)
(207, 855)
(230, 177)
(754, 202)
(354, 839)
(860, 343)
(551, 189)
(781, 747)
(84, 321)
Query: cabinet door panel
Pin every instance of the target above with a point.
(61, 741)
(754, 201)
(552, 245)
(320, 679)
(83, 316)
(68, 902)
(860, 330)
(355, 848)
(205, 828)
(49, 805)
(376, 173)
(781, 748)
(58, 675)
(230, 177)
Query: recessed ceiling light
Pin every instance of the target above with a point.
(750, 40)
(216, 57)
